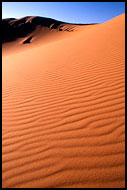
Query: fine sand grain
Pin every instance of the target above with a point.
(63, 109)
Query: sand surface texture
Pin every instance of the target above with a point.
(63, 109)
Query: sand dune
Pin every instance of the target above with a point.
(33, 32)
(63, 108)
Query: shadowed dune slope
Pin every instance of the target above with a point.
(63, 112)
(39, 30)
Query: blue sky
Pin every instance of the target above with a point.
(73, 12)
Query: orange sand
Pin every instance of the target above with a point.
(63, 111)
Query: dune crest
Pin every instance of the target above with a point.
(63, 110)
(40, 30)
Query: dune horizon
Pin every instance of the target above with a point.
(63, 103)
(35, 30)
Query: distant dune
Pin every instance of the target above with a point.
(17, 28)
(34, 30)
(63, 104)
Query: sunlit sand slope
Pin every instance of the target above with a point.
(63, 111)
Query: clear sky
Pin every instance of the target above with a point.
(73, 12)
